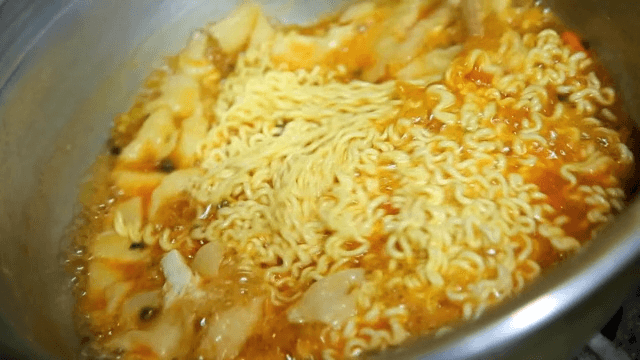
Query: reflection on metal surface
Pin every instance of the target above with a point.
(532, 313)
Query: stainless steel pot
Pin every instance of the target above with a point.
(67, 66)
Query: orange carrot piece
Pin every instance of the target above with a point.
(573, 40)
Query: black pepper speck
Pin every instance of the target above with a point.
(147, 313)
(166, 165)
(137, 246)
